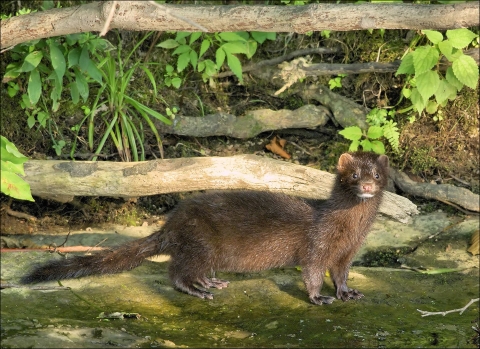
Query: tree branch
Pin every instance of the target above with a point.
(48, 178)
(144, 16)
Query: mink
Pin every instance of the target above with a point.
(251, 231)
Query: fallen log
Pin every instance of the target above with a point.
(247, 126)
(446, 193)
(63, 179)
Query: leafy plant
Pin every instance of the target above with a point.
(11, 167)
(227, 45)
(46, 63)
(426, 79)
(122, 114)
(379, 127)
(336, 82)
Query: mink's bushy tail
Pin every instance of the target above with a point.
(123, 257)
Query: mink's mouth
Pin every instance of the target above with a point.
(365, 195)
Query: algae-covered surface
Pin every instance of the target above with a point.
(267, 309)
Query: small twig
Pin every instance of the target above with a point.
(95, 247)
(57, 249)
(109, 19)
(278, 60)
(39, 288)
(299, 147)
(461, 310)
(21, 215)
(460, 180)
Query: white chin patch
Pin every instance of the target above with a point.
(365, 195)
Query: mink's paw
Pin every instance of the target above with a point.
(349, 294)
(319, 300)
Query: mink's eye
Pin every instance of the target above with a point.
(377, 176)
(354, 176)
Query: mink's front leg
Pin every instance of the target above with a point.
(313, 279)
(339, 275)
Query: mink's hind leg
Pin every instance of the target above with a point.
(212, 282)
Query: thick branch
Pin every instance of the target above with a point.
(139, 15)
(133, 179)
(442, 192)
(248, 125)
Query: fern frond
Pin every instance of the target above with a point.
(390, 132)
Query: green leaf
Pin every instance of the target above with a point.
(220, 57)
(84, 59)
(176, 82)
(251, 48)
(14, 186)
(417, 100)
(58, 60)
(34, 89)
(73, 57)
(168, 44)
(181, 49)
(431, 107)
(427, 84)
(8, 148)
(11, 167)
(82, 84)
(201, 66)
(193, 59)
(406, 66)
(235, 47)
(182, 35)
(406, 92)
(374, 132)
(204, 47)
(466, 71)
(74, 92)
(434, 36)
(94, 72)
(235, 65)
(194, 37)
(183, 61)
(354, 146)
(232, 36)
(378, 147)
(31, 61)
(446, 49)
(366, 145)
(452, 79)
(445, 91)
(259, 37)
(424, 59)
(31, 121)
(460, 38)
(352, 133)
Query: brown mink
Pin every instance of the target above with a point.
(248, 231)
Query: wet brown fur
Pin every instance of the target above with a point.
(248, 231)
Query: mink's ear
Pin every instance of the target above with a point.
(344, 160)
(383, 161)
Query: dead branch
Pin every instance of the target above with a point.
(278, 60)
(460, 310)
(249, 125)
(144, 16)
(442, 192)
(134, 179)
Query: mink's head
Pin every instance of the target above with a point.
(364, 174)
